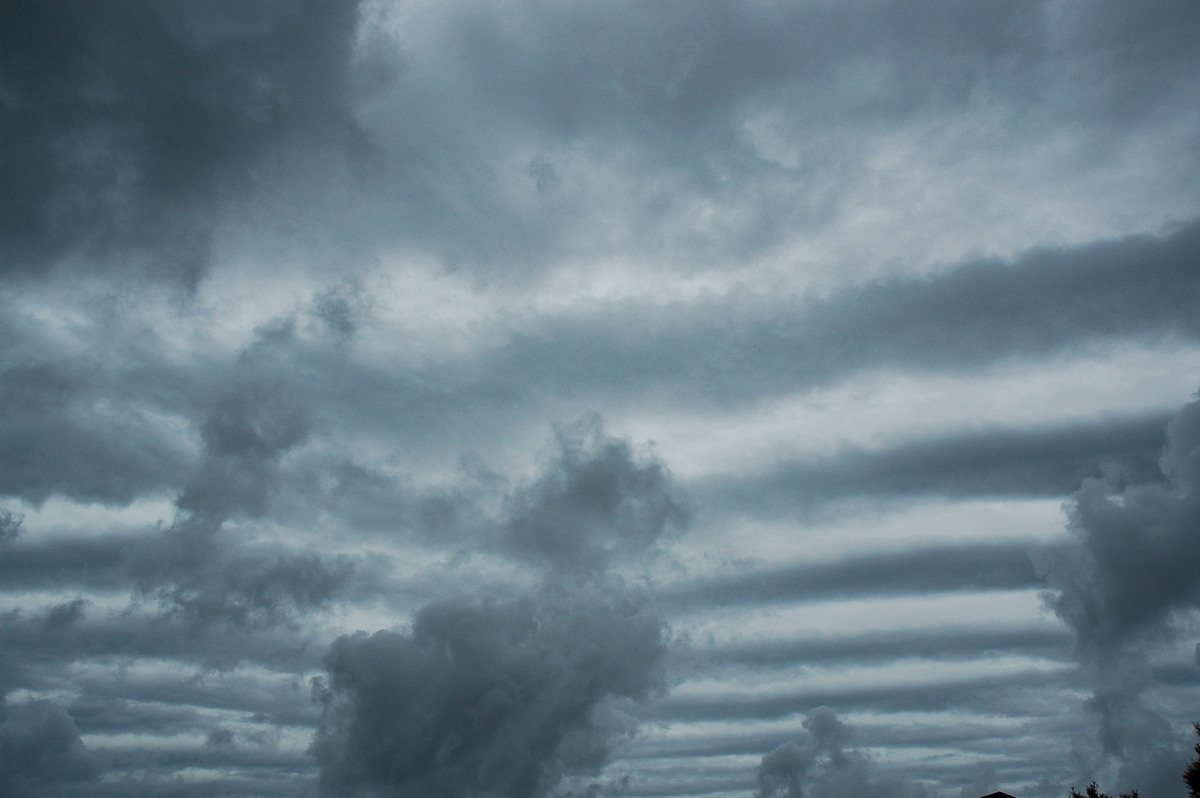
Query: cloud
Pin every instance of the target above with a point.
(1120, 585)
(992, 566)
(997, 462)
(129, 125)
(1132, 563)
(484, 698)
(735, 348)
(596, 500)
(40, 749)
(61, 438)
(92, 563)
(192, 568)
(822, 767)
(10, 526)
(244, 437)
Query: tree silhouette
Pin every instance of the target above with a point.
(1191, 776)
(1093, 792)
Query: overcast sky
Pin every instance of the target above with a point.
(529, 399)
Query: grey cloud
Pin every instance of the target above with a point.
(40, 750)
(1119, 585)
(666, 91)
(740, 348)
(943, 646)
(822, 767)
(220, 738)
(1014, 694)
(192, 568)
(373, 501)
(185, 700)
(597, 499)
(487, 698)
(1017, 462)
(40, 648)
(90, 563)
(992, 566)
(65, 615)
(244, 437)
(1134, 559)
(128, 125)
(10, 526)
(194, 571)
(59, 439)
(501, 143)
(731, 351)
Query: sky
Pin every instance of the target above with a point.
(529, 399)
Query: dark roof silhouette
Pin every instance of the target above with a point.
(997, 795)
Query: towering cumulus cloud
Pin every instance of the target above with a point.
(1132, 571)
(822, 767)
(496, 699)
(516, 697)
(597, 500)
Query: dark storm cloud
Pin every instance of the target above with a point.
(595, 500)
(1003, 462)
(40, 750)
(992, 566)
(486, 698)
(823, 767)
(127, 125)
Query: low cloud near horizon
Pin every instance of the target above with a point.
(594, 399)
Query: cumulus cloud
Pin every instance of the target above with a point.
(523, 696)
(484, 698)
(821, 766)
(193, 568)
(244, 437)
(40, 748)
(1133, 561)
(1121, 586)
(596, 500)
